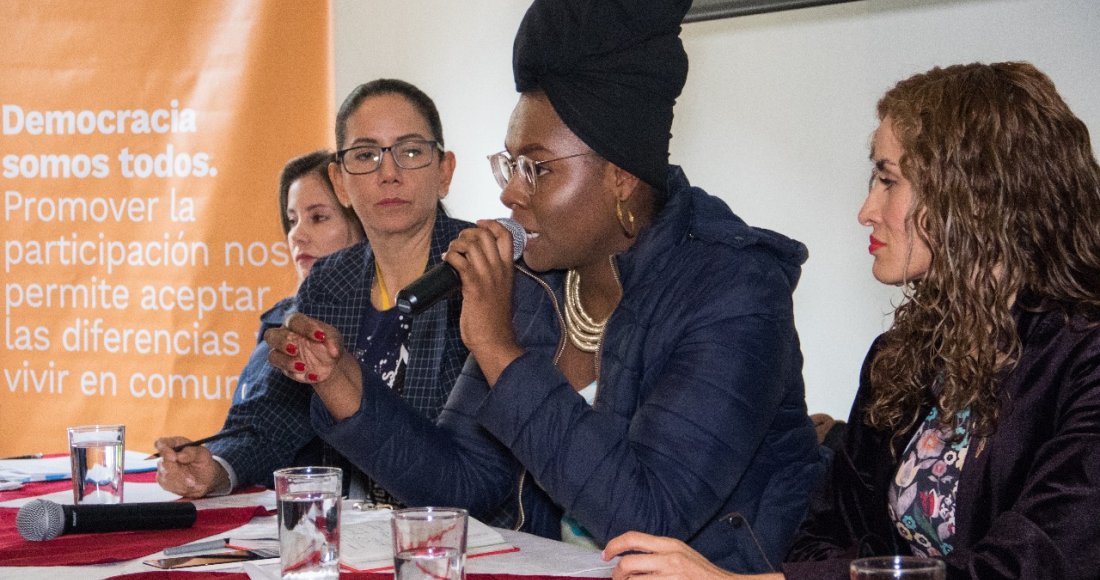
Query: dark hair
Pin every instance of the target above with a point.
(1006, 195)
(423, 103)
(416, 97)
(313, 163)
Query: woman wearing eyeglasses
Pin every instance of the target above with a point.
(640, 368)
(392, 169)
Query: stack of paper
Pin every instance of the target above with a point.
(366, 544)
(58, 468)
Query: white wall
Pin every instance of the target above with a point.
(775, 118)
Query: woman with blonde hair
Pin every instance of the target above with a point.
(975, 434)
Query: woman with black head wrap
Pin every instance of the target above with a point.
(973, 443)
(639, 369)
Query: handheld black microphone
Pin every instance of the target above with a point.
(42, 519)
(441, 280)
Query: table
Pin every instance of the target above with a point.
(536, 555)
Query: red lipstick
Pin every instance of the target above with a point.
(875, 244)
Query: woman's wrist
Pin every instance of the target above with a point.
(492, 362)
(342, 390)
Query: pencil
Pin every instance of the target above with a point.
(214, 437)
(28, 456)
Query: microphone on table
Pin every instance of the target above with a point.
(42, 519)
(442, 280)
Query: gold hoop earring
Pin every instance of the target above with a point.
(626, 224)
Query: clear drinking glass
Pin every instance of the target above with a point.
(900, 567)
(97, 453)
(429, 543)
(309, 521)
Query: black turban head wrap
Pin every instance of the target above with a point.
(612, 70)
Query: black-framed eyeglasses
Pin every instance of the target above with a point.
(409, 154)
(504, 167)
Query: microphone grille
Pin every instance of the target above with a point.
(39, 520)
(519, 236)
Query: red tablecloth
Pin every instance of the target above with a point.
(181, 575)
(80, 549)
(84, 549)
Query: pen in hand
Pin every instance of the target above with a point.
(214, 437)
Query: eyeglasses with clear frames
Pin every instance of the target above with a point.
(409, 154)
(504, 167)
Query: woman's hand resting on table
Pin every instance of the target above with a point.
(312, 352)
(659, 558)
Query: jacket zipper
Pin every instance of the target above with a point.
(557, 355)
(599, 343)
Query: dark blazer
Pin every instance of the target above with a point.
(699, 427)
(253, 371)
(1028, 503)
(337, 291)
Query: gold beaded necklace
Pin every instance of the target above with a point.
(584, 332)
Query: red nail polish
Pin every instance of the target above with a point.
(319, 335)
(311, 377)
(299, 366)
(291, 349)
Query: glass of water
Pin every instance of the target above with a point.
(429, 543)
(309, 522)
(97, 453)
(899, 567)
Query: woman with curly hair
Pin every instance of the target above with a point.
(975, 434)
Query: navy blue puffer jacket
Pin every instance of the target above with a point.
(699, 429)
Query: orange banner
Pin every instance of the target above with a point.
(142, 143)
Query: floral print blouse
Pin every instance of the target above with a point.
(922, 496)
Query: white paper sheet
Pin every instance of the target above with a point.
(366, 540)
(58, 468)
(264, 498)
(133, 493)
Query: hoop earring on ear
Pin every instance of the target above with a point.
(626, 224)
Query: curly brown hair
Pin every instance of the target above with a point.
(1006, 195)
